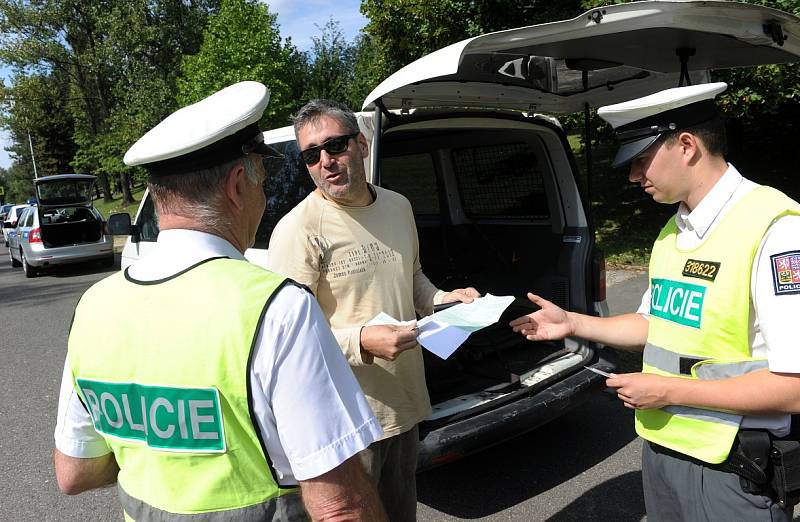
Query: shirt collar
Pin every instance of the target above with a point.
(706, 212)
(178, 249)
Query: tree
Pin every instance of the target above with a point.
(4, 186)
(332, 65)
(119, 61)
(19, 183)
(368, 70)
(37, 118)
(242, 42)
(404, 30)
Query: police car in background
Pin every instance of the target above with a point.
(493, 184)
(63, 227)
(10, 220)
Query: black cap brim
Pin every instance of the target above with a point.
(267, 150)
(628, 151)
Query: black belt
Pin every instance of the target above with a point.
(748, 457)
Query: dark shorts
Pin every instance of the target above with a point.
(392, 466)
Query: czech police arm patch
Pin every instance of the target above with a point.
(786, 272)
(707, 270)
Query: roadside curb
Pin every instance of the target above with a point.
(618, 276)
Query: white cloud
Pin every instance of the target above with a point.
(5, 160)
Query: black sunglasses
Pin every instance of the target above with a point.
(335, 145)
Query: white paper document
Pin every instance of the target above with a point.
(443, 332)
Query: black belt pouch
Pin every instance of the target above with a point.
(785, 457)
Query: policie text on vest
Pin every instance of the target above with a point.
(164, 418)
(681, 303)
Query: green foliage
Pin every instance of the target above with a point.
(19, 183)
(404, 30)
(341, 70)
(242, 42)
(147, 41)
(330, 73)
(37, 108)
(368, 69)
(107, 66)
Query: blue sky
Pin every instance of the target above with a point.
(297, 18)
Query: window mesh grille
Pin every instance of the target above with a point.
(501, 181)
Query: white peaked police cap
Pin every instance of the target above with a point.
(213, 131)
(639, 123)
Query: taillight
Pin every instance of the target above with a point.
(599, 262)
(35, 235)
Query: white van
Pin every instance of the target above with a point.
(494, 191)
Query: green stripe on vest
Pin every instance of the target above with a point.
(163, 370)
(699, 326)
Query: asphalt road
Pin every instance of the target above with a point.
(584, 466)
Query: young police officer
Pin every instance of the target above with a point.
(208, 387)
(721, 364)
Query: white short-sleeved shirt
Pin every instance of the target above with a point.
(772, 317)
(307, 433)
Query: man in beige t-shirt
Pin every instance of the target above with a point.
(355, 245)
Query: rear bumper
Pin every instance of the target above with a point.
(464, 437)
(41, 257)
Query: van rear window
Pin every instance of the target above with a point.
(64, 191)
(500, 181)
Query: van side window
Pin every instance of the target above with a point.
(148, 221)
(286, 185)
(501, 181)
(413, 176)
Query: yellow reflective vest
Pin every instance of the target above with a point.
(699, 321)
(163, 368)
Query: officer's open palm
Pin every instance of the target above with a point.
(546, 324)
(388, 341)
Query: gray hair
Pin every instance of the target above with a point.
(313, 111)
(197, 195)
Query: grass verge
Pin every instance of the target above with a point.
(115, 205)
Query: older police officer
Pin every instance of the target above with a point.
(208, 387)
(721, 366)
